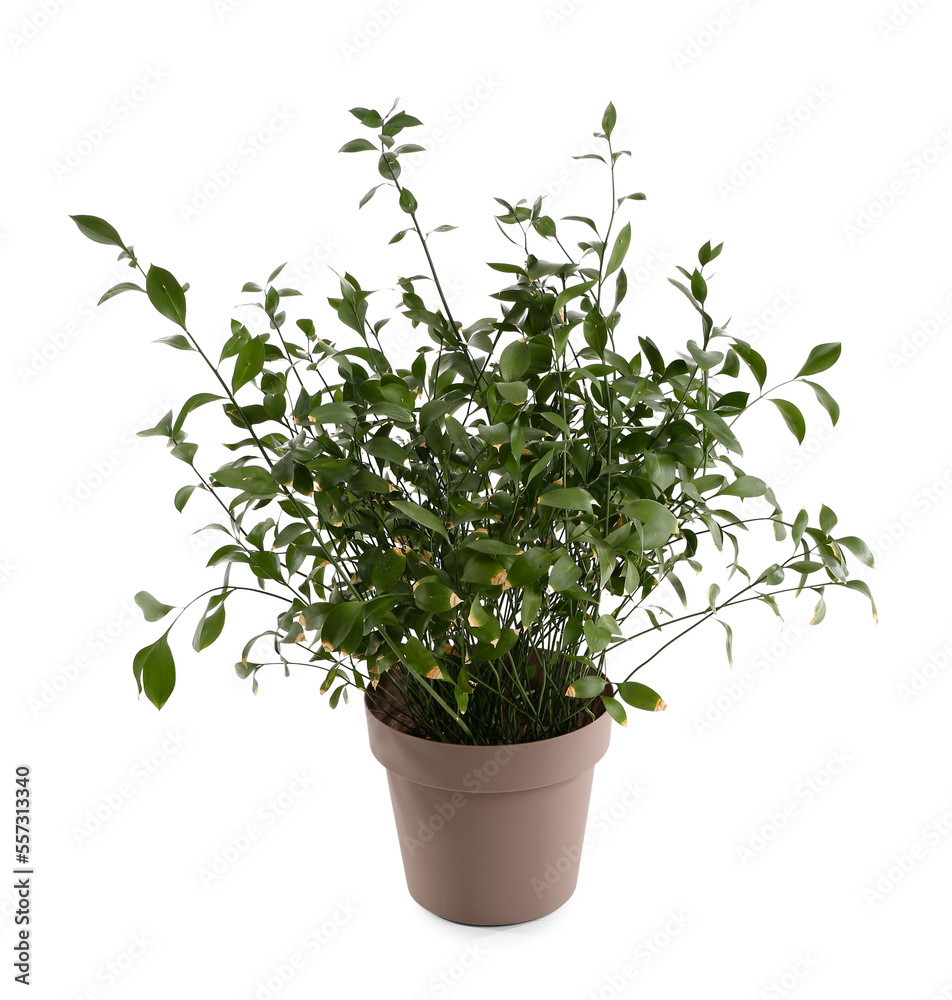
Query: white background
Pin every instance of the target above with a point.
(814, 139)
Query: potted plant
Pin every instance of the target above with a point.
(466, 539)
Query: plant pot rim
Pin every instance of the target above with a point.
(386, 685)
(510, 766)
(368, 706)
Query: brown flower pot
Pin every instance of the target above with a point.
(490, 834)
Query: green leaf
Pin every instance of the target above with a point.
(249, 363)
(407, 202)
(185, 452)
(572, 292)
(827, 519)
(177, 341)
(123, 286)
(608, 119)
(368, 482)
(729, 643)
(753, 361)
(596, 638)
(192, 403)
(462, 690)
(388, 166)
(621, 288)
(596, 331)
(357, 146)
(332, 413)
(181, 497)
(482, 623)
(641, 696)
(705, 360)
(615, 709)
(391, 411)
(162, 429)
(586, 687)
(484, 570)
(227, 553)
(266, 565)
(431, 595)
(367, 117)
(532, 598)
(239, 336)
(564, 574)
(343, 627)
(154, 669)
(731, 364)
(544, 225)
(662, 469)
(822, 356)
(620, 248)
(98, 230)
(717, 425)
(568, 498)
(859, 549)
(417, 657)
(513, 392)
(369, 195)
(711, 481)
(166, 294)
(825, 400)
(152, 609)
(508, 268)
(698, 286)
(250, 478)
(685, 291)
(387, 449)
(864, 589)
(744, 486)
(209, 628)
(805, 566)
(138, 662)
(400, 120)
(514, 361)
(653, 514)
(303, 480)
(793, 418)
(422, 516)
(388, 570)
(527, 568)
(799, 526)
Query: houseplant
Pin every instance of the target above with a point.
(466, 539)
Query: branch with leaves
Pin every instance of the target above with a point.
(480, 526)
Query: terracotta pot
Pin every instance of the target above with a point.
(490, 834)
